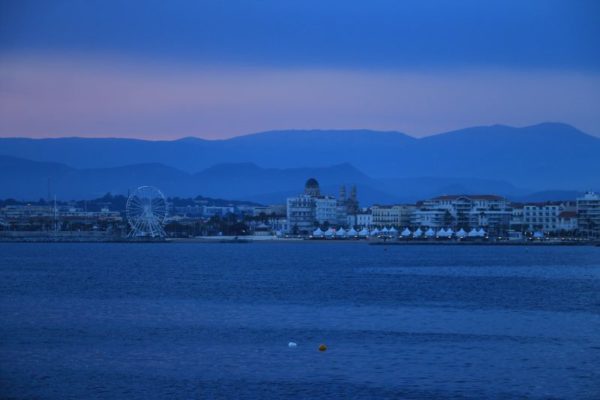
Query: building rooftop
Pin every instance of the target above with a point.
(567, 214)
(469, 196)
(544, 203)
(590, 196)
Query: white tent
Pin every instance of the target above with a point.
(329, 232)
(430, 233)
(317, 232)
(393, 231)
(461, 233)
(406, 232)
(352, 233)
(473, 233)
(441, 233)
(449, 232)
(340, 233)
(538, 235)
(364, 232)
(384, 230)
(375, 232)
(418, 233)
(481, 232)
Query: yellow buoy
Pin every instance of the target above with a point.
(322, 347)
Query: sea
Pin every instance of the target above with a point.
(215, 321)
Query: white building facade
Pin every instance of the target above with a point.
(364, 220)
(311, 209)
(326, 210)
(541, 216)
(567, 221)
(301, 214)
(392, 215)
(588, 215)
(491, 212)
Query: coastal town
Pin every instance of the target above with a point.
(314, 215)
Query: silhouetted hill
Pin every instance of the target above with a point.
(543, 156)
(276, 149)
(24, 179)
(515, 161)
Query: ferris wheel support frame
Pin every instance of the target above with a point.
(146, 211)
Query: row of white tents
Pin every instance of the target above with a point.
(393, 232)
(444, 233)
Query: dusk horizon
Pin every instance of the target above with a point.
(207, 70)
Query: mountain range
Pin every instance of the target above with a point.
(555, 159)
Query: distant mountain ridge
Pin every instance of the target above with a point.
(31, 180)
(24, 179)
(275, 149)
(511, 161)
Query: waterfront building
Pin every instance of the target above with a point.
(364, 219)
(45, 217)
(271, 225)
(306, 211)
(588, 215)
(301, 214)
(567, 221)
(327, 212)
(273, 209)
(27, 211)
(466, 211)
(541, 216)
(407, 212)
(392, 215)
(277, 223)
(219, 211)
(383, 215)
(424, 217)
(517, 218)
(302, 210)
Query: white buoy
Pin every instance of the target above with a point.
(292, 344)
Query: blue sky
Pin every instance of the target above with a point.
(166, 69)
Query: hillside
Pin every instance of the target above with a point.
(390, 165)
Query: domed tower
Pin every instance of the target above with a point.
(311, 188)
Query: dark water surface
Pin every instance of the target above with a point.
(187, 321)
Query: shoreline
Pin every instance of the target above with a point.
(271, 240)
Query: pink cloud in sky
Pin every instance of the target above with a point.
(74, 96)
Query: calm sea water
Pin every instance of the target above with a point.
(187, 321)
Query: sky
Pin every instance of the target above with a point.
(216, 69)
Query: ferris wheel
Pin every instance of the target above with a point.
(146, 212)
